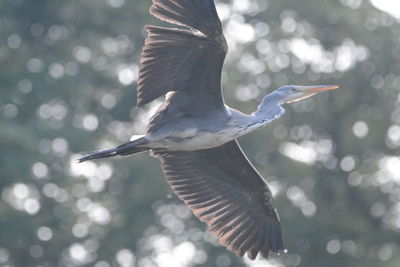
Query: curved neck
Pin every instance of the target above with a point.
(270, 107)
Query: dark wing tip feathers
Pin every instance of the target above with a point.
(199, 15)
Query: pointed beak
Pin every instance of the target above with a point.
(316, 88)
(303, 92)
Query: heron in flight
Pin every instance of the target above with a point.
(195, 134)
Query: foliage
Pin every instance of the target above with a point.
(68, 85)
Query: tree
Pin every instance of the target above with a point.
(68, 85)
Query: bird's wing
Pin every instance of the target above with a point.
(224, 190)
(187, 59)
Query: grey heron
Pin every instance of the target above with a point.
(194, 133)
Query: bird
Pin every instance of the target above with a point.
(194, 133)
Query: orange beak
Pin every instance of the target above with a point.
(303, 92)
(316, 89)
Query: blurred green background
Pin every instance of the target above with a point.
(67, 79)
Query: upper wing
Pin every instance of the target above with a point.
(183, 59)
(223, 189)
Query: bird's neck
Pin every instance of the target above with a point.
(270, 108)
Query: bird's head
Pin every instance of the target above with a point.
(293, 93)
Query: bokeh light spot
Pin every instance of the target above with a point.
(40, 170)
(14, 41)
(125, 258)
(348, 163)
(78, 253)
(115, 3)
(44, 233)
(4, 255)
(35, 65)
(90, 122)
(333, 246)
(360, 129)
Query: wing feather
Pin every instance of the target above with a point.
(200, 15)
(223, 189)
(183, 59)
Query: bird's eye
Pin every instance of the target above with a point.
(293, 90)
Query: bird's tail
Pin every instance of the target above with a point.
(129, 148)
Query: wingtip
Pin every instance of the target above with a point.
(252, 254)
(275, 239)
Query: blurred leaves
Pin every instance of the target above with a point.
(68, 85)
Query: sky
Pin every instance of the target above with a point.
(390, 6)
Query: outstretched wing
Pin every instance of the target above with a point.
(224, 190)
(183, 60)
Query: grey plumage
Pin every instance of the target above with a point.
(223, 189)
(194, 133)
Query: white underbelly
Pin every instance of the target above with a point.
(200, 140)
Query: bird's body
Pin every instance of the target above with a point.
(190, 134)
(194, 133)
